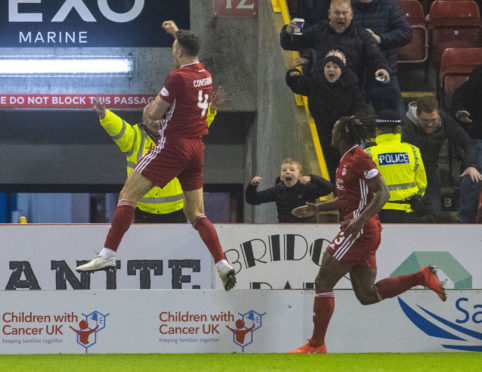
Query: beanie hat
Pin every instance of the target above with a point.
(388, 118)
(336, 56)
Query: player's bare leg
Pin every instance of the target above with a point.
(363, 283)
(135, 187)
(194, 211)
(426, 276)
(331, 271)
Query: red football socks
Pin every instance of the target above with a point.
(323, 308)
(391, 287)
(123, 217)
(209, 236)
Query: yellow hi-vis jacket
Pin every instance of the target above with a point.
(401, 166)
(134, 142)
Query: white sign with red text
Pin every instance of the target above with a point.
(158, 321)
(241, 321)
(81, 101)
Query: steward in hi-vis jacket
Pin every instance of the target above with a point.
(401, 166)
(158, 205)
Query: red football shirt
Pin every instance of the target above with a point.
(355, 171)
(188, 89)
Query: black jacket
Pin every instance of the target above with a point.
(360, 47)
(468, 97)
(327, 101)
(288, 198)
(386, 19)
(430, 144)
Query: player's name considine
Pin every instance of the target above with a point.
(202, 82)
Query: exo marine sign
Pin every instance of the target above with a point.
(89, 23)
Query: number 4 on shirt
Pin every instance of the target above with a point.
(203, 102)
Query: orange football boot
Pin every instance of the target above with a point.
(431, 281)
(308, 349)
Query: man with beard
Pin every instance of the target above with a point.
(158, 205)
(427, 127)
(181, 106)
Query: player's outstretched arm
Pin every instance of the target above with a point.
(157, 108)
(381, 196)
(305, 211)
(310, 209)
(170, 27)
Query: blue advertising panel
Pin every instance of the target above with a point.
(89, 23)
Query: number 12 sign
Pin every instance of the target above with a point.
(235, 8)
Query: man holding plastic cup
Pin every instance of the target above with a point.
(361, 48)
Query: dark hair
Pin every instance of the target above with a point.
(352, 130)
(427, 104)
(190, 43)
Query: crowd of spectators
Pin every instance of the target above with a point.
(349, 67)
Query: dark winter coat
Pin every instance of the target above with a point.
(386, 19)
(289, 198)
(327, 101)
(360, 47)
(468, 97)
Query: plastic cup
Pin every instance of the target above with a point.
(300, 22)
(380, 78)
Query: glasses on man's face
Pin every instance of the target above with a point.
(430, 121)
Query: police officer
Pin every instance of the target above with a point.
(158, 205)
(401, 166)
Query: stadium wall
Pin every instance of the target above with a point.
(47, 307)
(44, 137)
(258, 127)
(280, 129)
(265, 256)
(242, 321)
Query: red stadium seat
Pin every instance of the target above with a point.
(455, 67)
(453, 24)
(417, 50)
